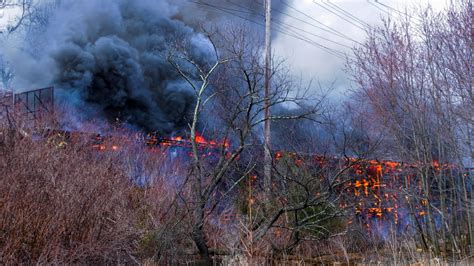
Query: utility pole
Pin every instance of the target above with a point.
(267, 167)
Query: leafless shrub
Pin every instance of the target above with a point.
(415, 77)
(63, 201)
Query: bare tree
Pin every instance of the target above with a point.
(6, 74)
(24, 8)
(29, 22)
(416, 79)
(230, 87)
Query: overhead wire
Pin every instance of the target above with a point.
(283, 28)
(304, 38)
(379, 8)
(330, 29)
(300, 29)
(312, 34)
(293, 29)
(286, 31)
(348, 14)
(401, 14)
(389, 7)
(361, 27)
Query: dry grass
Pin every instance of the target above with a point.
(70, 204)
(62, 205)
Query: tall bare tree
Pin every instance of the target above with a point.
(231, 89)
(416, 75)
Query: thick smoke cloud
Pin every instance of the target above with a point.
(108, 59)
(112, 54)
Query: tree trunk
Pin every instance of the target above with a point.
(198, 235)
(429, 213)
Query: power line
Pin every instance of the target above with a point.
(312, 34)
(348, 14)
(389, 7)
(401, 14)
(334, 52)
(300, 29)
(320, 28)
(347, 20)
(330, 29)
(379, 8)
(284, 29)
(315, 26)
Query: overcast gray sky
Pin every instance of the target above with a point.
(313, 62)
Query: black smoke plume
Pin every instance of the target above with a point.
(113, 55)
(108, 59)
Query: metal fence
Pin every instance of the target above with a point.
(30, 105)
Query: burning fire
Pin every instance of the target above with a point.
(376, 189)
(207, 148)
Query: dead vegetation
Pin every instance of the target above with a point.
(63, 201)
(67, 203)
(71, 203)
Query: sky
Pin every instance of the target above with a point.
(313, 63)
(306, 60)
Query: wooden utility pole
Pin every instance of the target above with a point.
(267, 170)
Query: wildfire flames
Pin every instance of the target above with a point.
(152, 140)
(376, 190)
(178, 141)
